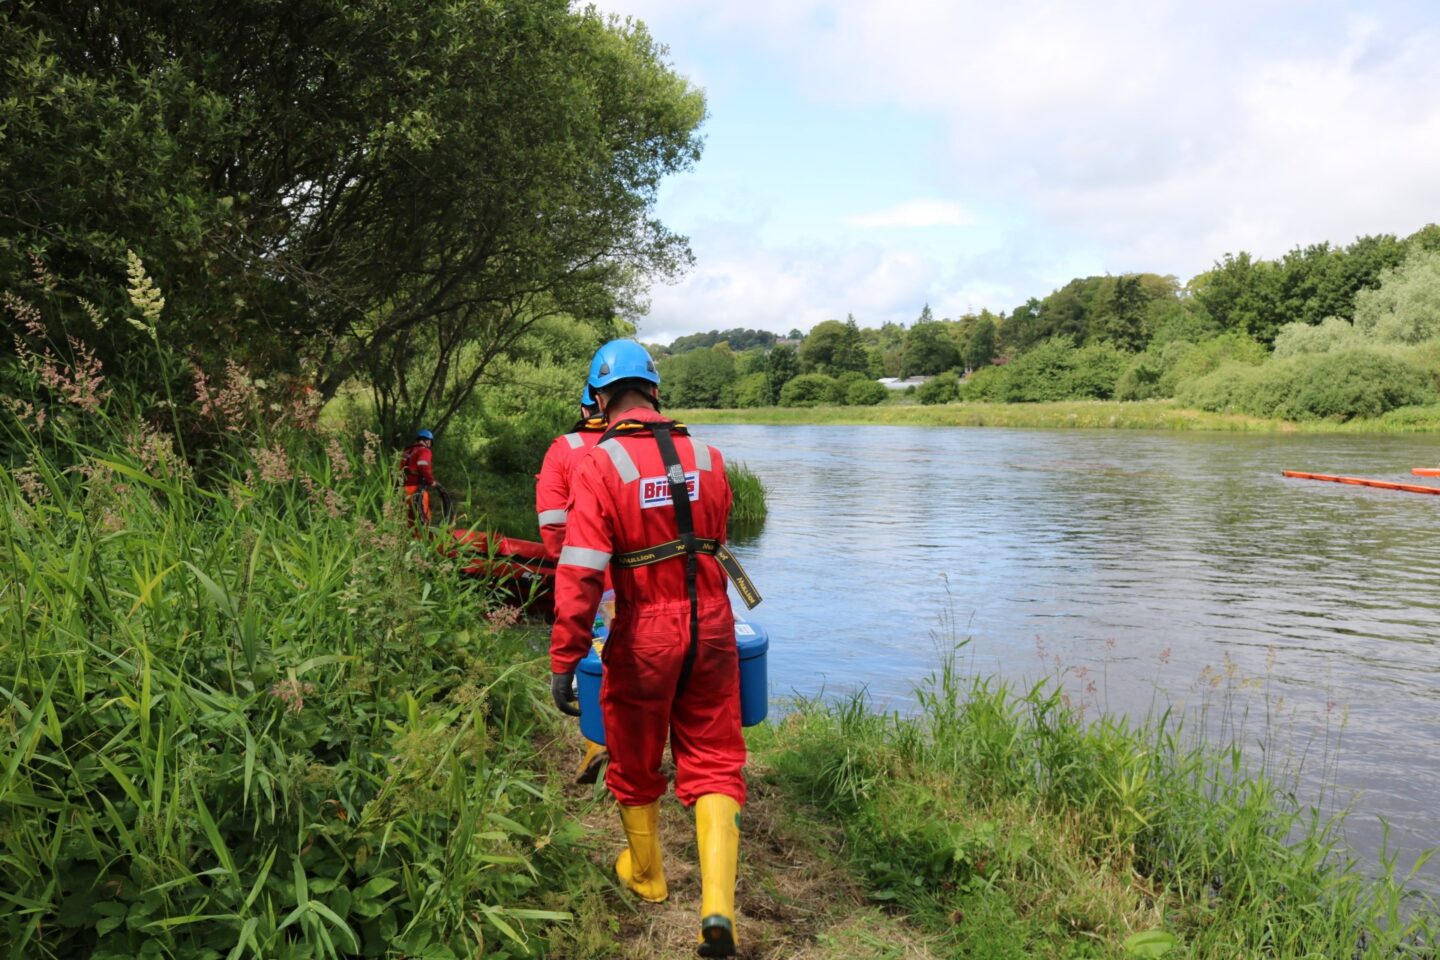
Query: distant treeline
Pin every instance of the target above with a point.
(1324, 331)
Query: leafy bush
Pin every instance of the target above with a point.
(1141, 379)
(255, 716)
(1097, 366)
(1314, 386)
(752, 390)
(1405, 308)
(988, 383)
(866, 393)
(939, 389)
(1329, 335)
(809, 390)
(1183, 361)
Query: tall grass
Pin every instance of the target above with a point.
(248, 715)
(747, 508)
(1017, 828)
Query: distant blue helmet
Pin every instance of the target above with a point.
(424, 435)
(621, 360)
(587, 399)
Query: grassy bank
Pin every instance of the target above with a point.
(247, 714)
(1081, 414)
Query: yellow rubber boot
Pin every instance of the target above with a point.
(717, 832)
(589, 769)
(640, 866)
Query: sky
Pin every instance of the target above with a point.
(868, 158)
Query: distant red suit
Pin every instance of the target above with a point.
(620, 502)
(419, 478)
(552, 486)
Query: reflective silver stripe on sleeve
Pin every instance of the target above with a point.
(624, 466)
(702, 455)
(574, 440)
(551, 516)
(584, 557)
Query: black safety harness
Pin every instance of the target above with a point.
(688, 545)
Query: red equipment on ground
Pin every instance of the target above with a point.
(520, 567)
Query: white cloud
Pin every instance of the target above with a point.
(1134, 135)
(915, 213)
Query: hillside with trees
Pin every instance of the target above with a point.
(1324, 332)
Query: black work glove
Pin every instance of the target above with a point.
(562, 691)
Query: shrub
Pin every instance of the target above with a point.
(1327, 336)
(1096, 368)
(752, 390)
(1336, 386)
(1141, 379)
(987, 383)
(1183, 361)
(939, 389)
(809, 390)
(866, 393)
(1405, 308)
(1044, 373)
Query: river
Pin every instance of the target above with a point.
(1143, 568)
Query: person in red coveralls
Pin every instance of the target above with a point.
(419, 475)
(671, 667)
(552, 498)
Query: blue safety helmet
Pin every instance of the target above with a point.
(587, 399)
(621, 360)
(424, 435)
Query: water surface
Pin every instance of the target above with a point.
(1135, 564)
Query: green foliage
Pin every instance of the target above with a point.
(929, 350)
(1311, 386)
(752, 390)
(699, 378)
(866, 393)
(781, 366)
(809, 390)
(1331, 334)
(834, 348)
(330, 190)
(939, 389)
(254, 717)
(747, 491)
(1033, 819)
(1406, 306)
(981, 348)
(739, 340)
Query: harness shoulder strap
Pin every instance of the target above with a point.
(685, 525)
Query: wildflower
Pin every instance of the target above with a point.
(503, 618)
(273, 462)
(27, 313)
(291, 693)
(339, 463)
(1165, 655)
(79, 383)
(31, 485)
(144, 295)
(93, 312)
(372, 444)
(42, 274)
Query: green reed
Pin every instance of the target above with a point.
(1017, 827)
(250, 715)
(747, 509)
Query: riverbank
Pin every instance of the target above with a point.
(252, 709)
(1075, 414)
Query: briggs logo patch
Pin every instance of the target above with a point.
(655, 491)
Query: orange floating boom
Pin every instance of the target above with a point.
(1360, 482)
(1426, 471)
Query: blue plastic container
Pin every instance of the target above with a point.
(754, 644)
(587, 679)
(751, 640)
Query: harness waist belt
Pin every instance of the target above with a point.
(710, 548)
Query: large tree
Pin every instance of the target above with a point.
(387, 189)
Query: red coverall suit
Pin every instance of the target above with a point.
(552, 486)
(419, 476)
(621, 502)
